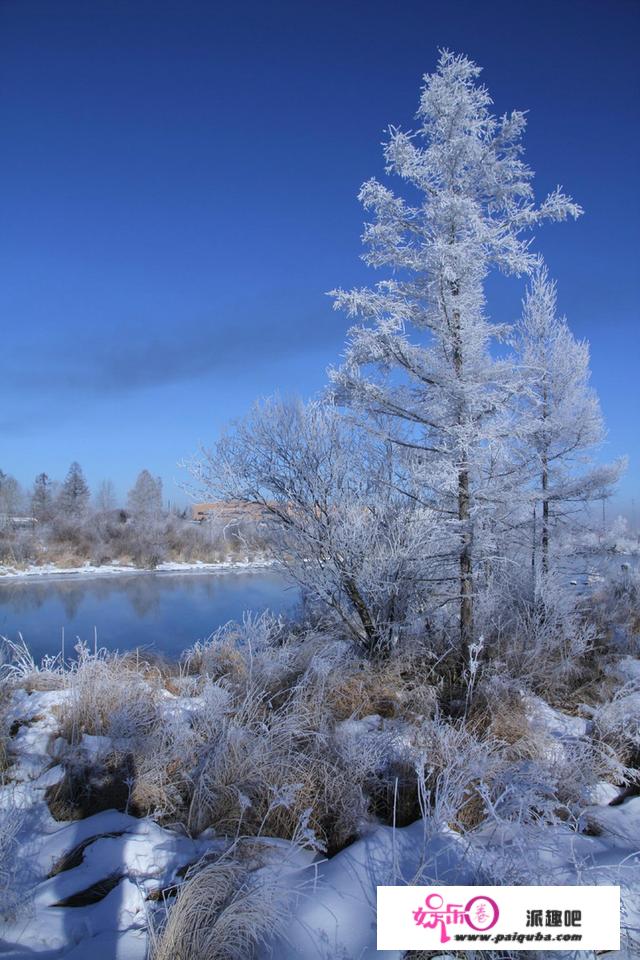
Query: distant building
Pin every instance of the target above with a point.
(6, 520)
(228, 511)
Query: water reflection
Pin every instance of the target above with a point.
(165, 611)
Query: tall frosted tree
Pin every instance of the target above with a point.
(561, 422)
(419, 353)
(73, 499)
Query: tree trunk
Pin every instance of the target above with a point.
(545, 516)
(545, 488)
(466, 566)
(464, 513)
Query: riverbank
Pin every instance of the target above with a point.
(52, 570)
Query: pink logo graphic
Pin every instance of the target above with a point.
(480, 913)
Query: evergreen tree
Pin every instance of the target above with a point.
(73, 499)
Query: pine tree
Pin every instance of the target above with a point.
(561, 421)
(73, 499)
(441, 389)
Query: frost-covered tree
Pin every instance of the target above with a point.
(145, 497)
(105, 498)
(73, 498)
(419, 354)
(42, 499)
(344, 534)
(561, 422)
(10, 498)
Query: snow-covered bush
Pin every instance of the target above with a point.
(258, 769)
(230, 651)
(331, 518)
(542, 640)
(617, 722)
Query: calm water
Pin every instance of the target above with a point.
(166, 612)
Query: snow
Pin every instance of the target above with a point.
(335, 913)
(625, 669)
(557, 732)
(200, 567)
(50, 570)
(333, 900)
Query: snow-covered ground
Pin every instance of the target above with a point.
(50, 570)
(97, 905)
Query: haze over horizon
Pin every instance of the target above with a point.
(179, 189)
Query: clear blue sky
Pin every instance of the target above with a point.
(178, 188)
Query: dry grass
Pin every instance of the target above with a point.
(259, 771)
(498, 710)
(391, 688)
(223, 910)
(12, 817)
(217, 661)
(89, 788)
(110, 696)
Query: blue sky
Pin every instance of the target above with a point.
(178, 188)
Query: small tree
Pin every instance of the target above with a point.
(105, 499)
(561, 423)
(42, 500)
(343, 533)
(74, 495)
(10, 499)
(145, 497)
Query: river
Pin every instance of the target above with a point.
(165, 612)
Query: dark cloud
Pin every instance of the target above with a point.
(123, 357)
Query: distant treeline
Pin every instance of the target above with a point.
(64, 523)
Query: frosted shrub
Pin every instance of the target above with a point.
(258, 770)
(618, 722)
(544, 641)
(232, 645)
(453, 765)
(109, 696)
